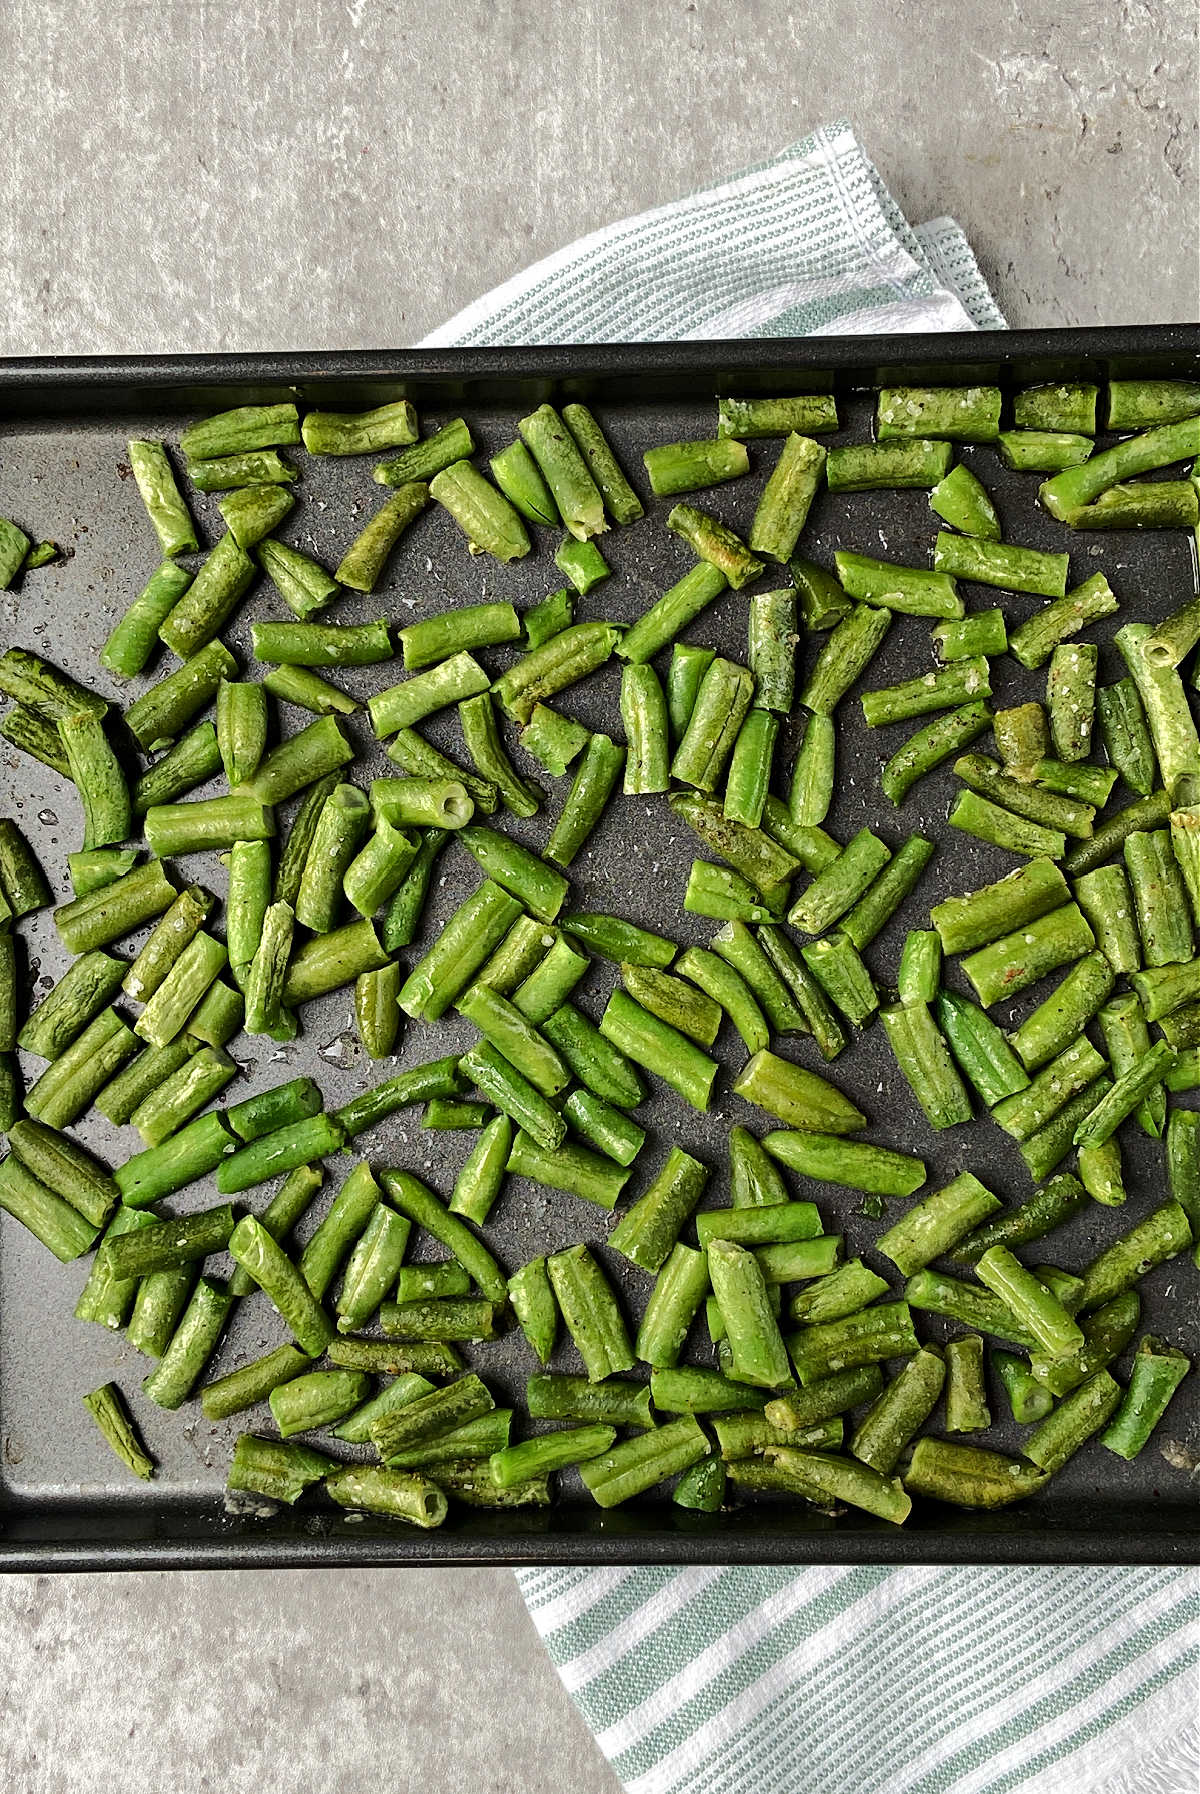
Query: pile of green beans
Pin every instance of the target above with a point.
(794, 1401)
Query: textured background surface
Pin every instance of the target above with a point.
(227, 176)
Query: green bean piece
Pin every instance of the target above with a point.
(377, 1010)
(980, 1047)
(754, 1180)
(481, 734)
(165, 505)
(867, 1337)
(570, 1168)
(561, 662)
(691, 466)
(1022, 739)
(316, 1398)
(252, 1383)
(490, 523)
(627, 943)
(202, 611)
(201, 1077)
(188, 977)
(430, 1417)
(1144, 453)
(107, 1409)
(1071, 698)
(425, 1210)
(1062, 815)
(647, 1233)
(342, 1226)
(812, 783)
(308, 691)
(679, 1289)
(372, 1269)
(1014, 961)
(672, 613)
(954, 413)
(1183, 1163)
(749, 777)
(277, 1107)
(590, 1312)
(253, 467)
(582, 563)
(447, 1113)
(1141, 504)
(440, 1077)
(501, 1023)
(787, 497)
(1140, 404)
(797, 1096)
(771, 1224)
(566, 472)
(830, 1159)
(1125, 734)
(637, 1464)
(967, 1304)
(1109, 840)
(702, 1488)
(275, 1469)
(961, 682)
(522, 949)
(362, 565)
(134, 638)
(1067, 405)
(928, 747)
(1043, 451)
(359, 432)
(1159, 898)
(824, 1398)
(377, 871)
(175, 931)
(1150, 1242)
(106, 1299)
(549, 618)
(1100, 1173)
(517, 474)
(1050, 1207)
(595, 781)
(886, 892)
(918, 979)
(912, 591)
(420, 760)
(612, 1401)
(1131, 1089)
(472, 933)
(324, 644)
(38, 685)
(724, 895)
(67, 1087)
(144, 1075)
(838, 1292)
(508, 1090)
(301, 582)
(54, 1221)
(1107, 1331)
(245, 427)
(549, 1452)
(163, 711)
(553, 740)
(673, 1001)
(1073, 1422)
(192, 1345)
(809, 412)
(1030, 1109)
(759, 1355)
(252, 512)
(620, 500)
(1045, 1150)
(899, 1411)
(439, 1318)
(659, 1048)
(726, 987)
(300, 1143)
(15, 551)
(644, 716)
(688, 1389)
(1026, 1397)
(966, 1476)
(982, 633)
(713, 542)
(836, 890)
(422, 460)
(258, 1253)
(875, 466)
(923, 1056)
(403, 918)
(1036, 1309)
(533, 1303)
(1157, 1372)
(1185, 1073)
(390, 1358)
(1107, 902)
(1035, 640)
(804, 994)
(962, 500)
(82, 993)
(194, 759)
(93, 870)
(1127, 1041)
(844, 656)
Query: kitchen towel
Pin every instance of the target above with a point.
(839, 1680)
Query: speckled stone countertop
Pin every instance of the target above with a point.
(227, 175)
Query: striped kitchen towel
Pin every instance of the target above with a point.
(840, 1680)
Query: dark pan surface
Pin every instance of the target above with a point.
(64, 1501)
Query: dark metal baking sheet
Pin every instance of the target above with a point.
(64, 1502)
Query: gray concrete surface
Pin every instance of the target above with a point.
(213, 174)
(222, 175)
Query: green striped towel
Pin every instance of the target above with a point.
(840, 1680)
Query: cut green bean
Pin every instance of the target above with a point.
(672, 613)
(534, 1305)
(108, 1410)
(691, 466)
(1035, 640)
(67, 1087)
(966, 1476)
(133, 640)
(659, 1048)
(482, 736)
(713, 542)
(82, 993)
(835, 891)
(897, 1414)
(422, 460)
(362, 565)
(596, 779)
(868, 1337)
(1159, 898)
(1157, 1372)
(912, 591)
(194, 759)
(680, 1287)
(876, 1170)
(882, 466)
(787, 497)
(637, 1464)
(1144, 453)
(570, 1168)
(962, 500)
(1010, 964)
(590, 1312)
(981, 774)
(961, 682)
(192, 1344)
(939, 740)
(372, 1270)
(922, 1055)
(644, 717)
(566, 472)
(553, 740)
(425, 1210)
(165, 505)
(516, 473)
